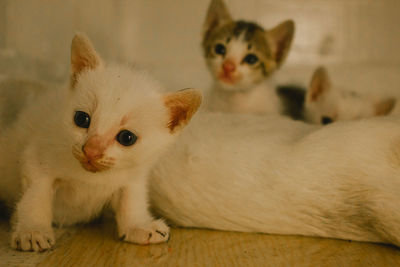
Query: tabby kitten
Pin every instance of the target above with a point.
(325, 104)
(241, 57)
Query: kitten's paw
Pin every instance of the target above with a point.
(32, 240)
(151, 233)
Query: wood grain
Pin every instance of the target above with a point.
(97, 245)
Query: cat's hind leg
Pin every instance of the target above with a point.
(386, 218)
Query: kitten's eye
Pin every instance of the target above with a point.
(82, 119)
(250, 59)
(326, 120)
(126, 138)
(220, 49)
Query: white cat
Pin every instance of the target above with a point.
(241, 57)
(325, 103)
(74, 150)
(278, 176)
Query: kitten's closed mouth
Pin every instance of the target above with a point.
(94, 166)
(226, 78)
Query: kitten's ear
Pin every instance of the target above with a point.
(320, 84)
(83, 56)
(280, 39)
(181, 105)
(384, 107)
(217, 15)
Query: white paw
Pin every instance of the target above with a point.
(151, 233)
(32, 240)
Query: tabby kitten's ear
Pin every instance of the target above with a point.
(181, 105)
(320, 84)
(217, 15)
(384, 107)
(280, 39)
(83, 57)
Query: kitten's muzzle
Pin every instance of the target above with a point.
(227, 74)
(94, 148)
(91, 155)
(228, 67)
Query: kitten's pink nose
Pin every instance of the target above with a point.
(94, 148)
(228, 66)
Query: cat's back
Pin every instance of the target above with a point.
(244, 129)
(215, 144)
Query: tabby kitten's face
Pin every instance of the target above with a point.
(326, 104)
(241, 54)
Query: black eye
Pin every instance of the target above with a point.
(250, 59)
(82, 119)
(326, 120)
(220, 49)
(126, 138)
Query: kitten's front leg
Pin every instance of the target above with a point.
(135, 224)
(32, 220)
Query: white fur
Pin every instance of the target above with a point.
(273, 175)
(261, 99)
(339, 104)
(44, 181)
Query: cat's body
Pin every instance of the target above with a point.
(241, 57)
(261, 99)
(325, 103)
(274, 175)
(74, 150)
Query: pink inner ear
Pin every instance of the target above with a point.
(181, 106)
(83, 56)
(320, 83)
(178, 116)
(81, 63)
(282, 36)
(317, 90)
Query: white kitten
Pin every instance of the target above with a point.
(325, 104)
(74, 150)
(279, 176)
(241, 57)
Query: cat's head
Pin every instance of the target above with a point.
(241, 54)
(325, 103)
(117, 116)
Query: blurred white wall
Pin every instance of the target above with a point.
(358, 39)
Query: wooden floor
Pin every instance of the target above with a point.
(97, 245)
